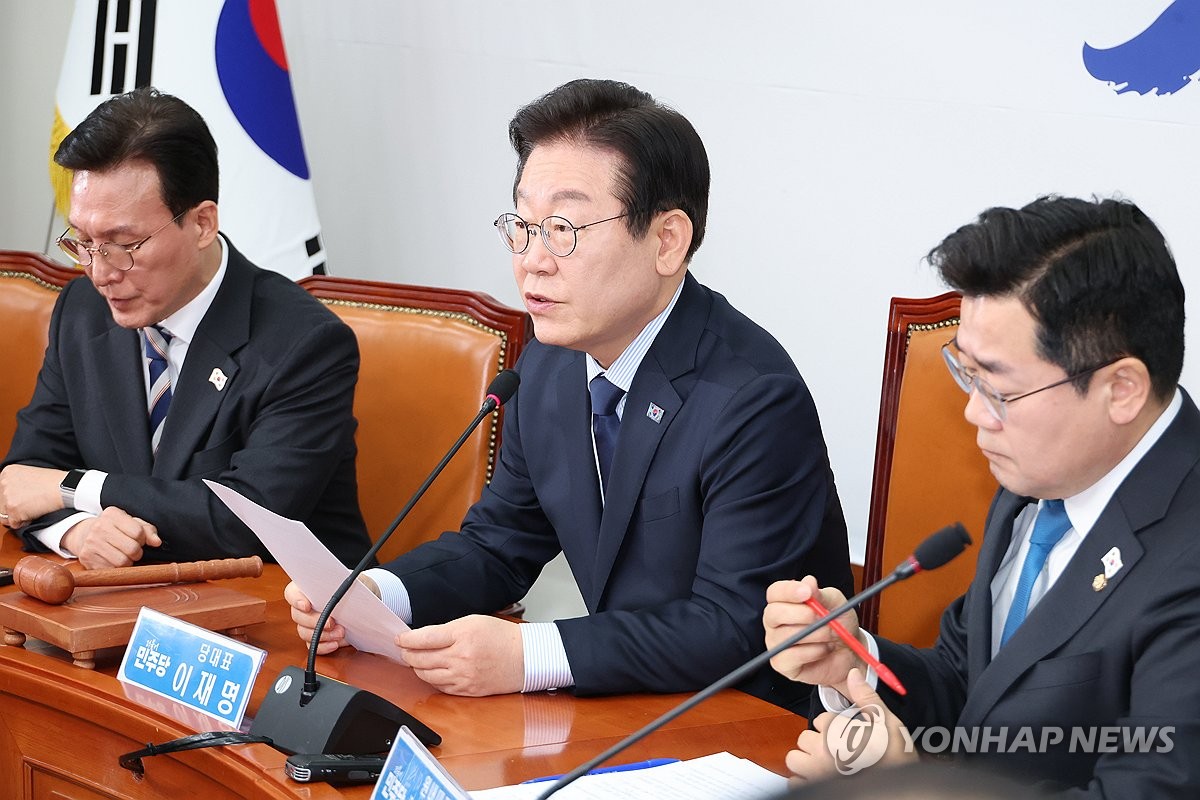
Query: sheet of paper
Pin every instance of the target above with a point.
(370, 625)
(721, 776)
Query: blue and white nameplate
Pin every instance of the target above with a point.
(411, 771)
(205, 671)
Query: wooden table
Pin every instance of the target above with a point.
(62, 727)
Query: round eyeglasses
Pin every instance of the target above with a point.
(558, 234)
(993, 401)
(83, 254)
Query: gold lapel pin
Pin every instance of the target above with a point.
(1099, 582)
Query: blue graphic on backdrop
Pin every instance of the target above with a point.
(255, 80)
(1162, 57)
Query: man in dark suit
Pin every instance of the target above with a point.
(704, 479)
(176, 360)
(1071, 660)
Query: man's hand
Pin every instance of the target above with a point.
(305, 617)
(472, 656)
(820, 659)
(27, 493)
(813, 757)
(113, 539)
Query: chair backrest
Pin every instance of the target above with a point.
(428, 356)
(29, 286)
(928, 472)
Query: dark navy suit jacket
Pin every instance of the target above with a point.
(1125, 655)
(728, 490)
(280, 431)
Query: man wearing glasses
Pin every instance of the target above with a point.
(661, 440)
(1080, 627)
(175, 361)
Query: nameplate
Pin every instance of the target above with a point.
(411, 771)
(197, 668)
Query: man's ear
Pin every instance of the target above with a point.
(1129, 389)
(207, 222)
(673, 231)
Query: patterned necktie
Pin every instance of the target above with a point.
(1051, 524)
(156, 341)
(605, 422)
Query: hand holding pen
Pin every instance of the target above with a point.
(885, 674)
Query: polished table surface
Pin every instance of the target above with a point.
(488, 741)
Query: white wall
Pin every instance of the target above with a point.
(845, 139)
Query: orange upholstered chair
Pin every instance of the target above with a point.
(29, 287)
(428, 356)
(928, 472)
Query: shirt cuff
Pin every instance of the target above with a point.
(87, 493)
(835, 701)
(546, 665)
(51, 536)
(392, 592)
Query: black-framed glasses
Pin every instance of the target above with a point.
(996, 403)
(558, 234)
(83, 254)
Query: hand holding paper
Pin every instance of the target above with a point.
(370, 625)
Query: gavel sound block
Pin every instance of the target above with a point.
(94, 618)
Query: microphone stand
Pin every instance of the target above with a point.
(311, 682)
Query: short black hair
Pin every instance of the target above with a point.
(1097, 275)
(150, 126)
(665, 165)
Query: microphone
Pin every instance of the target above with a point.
(932, 553)
(306, 714)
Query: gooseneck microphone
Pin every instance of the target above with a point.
(307, 714)
(936, 550)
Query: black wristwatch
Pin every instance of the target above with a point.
(66, 489)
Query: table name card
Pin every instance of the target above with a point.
(202, 670)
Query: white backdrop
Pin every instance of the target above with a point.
(845, 139)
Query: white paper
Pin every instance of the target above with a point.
(370, 625)
(721, 776)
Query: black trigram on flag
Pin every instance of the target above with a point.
(122, 52)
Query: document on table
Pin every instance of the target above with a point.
(721, 776)
(370, 625)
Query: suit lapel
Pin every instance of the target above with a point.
(996, 542)
(1141, 501)
(636, 444)
(116, 364)
(196, 400)
(672, 355)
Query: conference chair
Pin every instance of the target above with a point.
(928, 472)
(29, 287)
(428, 355)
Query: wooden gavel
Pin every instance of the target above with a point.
(53, 583)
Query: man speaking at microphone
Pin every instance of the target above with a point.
(660, 439)
(1071, 660)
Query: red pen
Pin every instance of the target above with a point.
(885, 674)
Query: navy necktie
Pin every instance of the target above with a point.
(605, 422)
(156, 341)
(1052, 522)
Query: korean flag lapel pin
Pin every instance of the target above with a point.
(217, 378)
(655, 413)
(1112, 565)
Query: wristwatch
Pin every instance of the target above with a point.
(66, 489)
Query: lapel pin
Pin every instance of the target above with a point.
(217, 378)
(1099, 582)
(1112, 563)
(655, 413)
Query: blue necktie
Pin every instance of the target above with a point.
(605, 422)
(156, 341)
(1052, 522)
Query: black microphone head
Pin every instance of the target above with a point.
(941, 546)
(504, 386)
